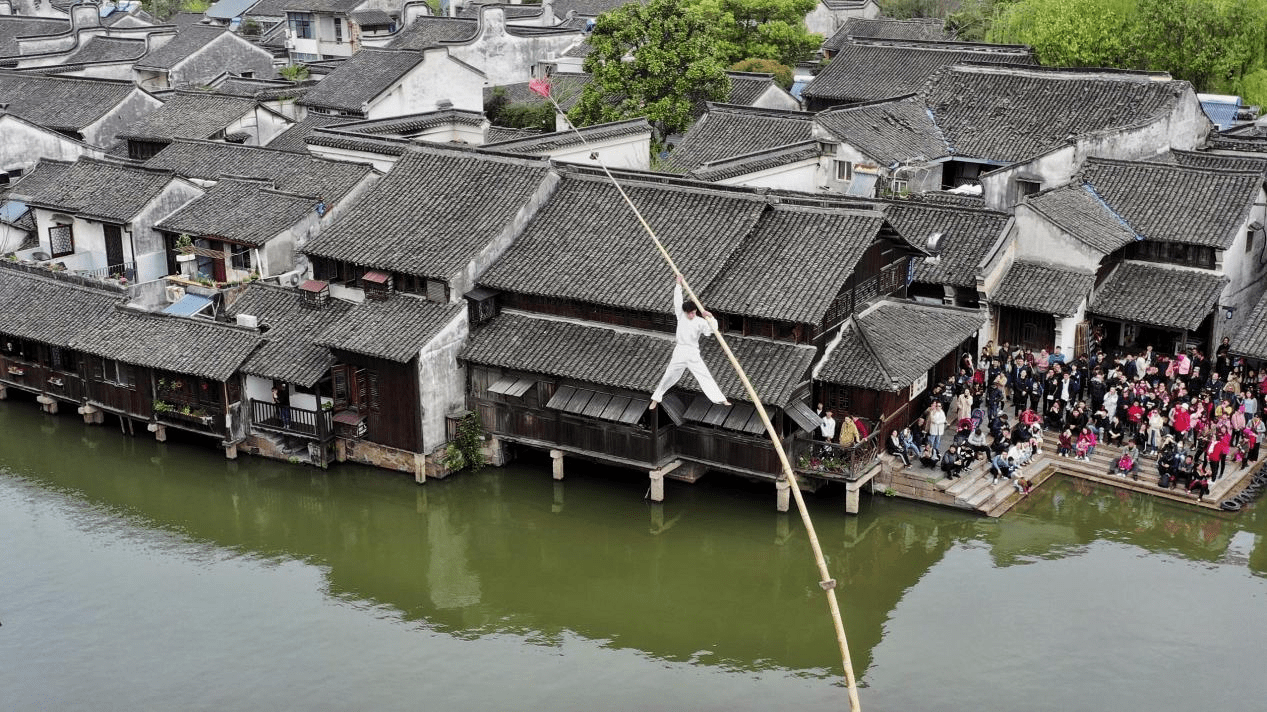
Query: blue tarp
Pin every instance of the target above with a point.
(188, 305)
(12, 210)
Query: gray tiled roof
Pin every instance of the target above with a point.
(1151, 294)
(107, 49)
(565, 87)
(894, 344)
(100, 190)
(967, 235)
(585, 245)
(543, 143)
(191, 115)
(866, 70)
(1218, 161)
(46, 176)
(635, 360)
(433, 212)
(431, 31)
(747, 164)
(292, 173)
(332, 137)
(1043, 288)
(294, 139)
(1239, 143)
(360, 78)
(891, 131)
(52, 309)
(268, 8)
(580, 50)
(187, 41)
(172, 343)
(261, 89)
(62, 103)
(1251, 340)
(747, 87)
(14, 26)
(395, 329)
(888, 28)
(1081, 213)
(727, 131)
(795, 263)
(411, 124)
(372, 18)
(498, 134)
(332, 6)
(1196, 206)
(184, 19)
(289, 351)
(1011, 113)
(249, 212)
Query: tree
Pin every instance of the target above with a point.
(1070, 33)
(761, 29)
(782, 73)
(657, 60)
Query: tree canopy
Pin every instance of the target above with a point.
(761, 29)
(659, 60)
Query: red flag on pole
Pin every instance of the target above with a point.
(541, 86)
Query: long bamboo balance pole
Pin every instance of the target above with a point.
(827, 583)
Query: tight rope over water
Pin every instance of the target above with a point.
(542, 87)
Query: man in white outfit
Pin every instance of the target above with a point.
(690, 327)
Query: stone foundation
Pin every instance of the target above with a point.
(388, 458)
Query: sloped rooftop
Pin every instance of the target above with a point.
(728, 130)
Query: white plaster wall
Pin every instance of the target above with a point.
(228, 52)
(23, 144)
(448, 133)
(824, 21)
(441, 380)
(776, 98)
(846, 152)
(801, 176)
(104, 131)
(621, 152)
(436, 78)
(90, 241)
(150, 249)
(1040, 241)
(1247, 272)
(260, 389)
(379, 161)
(505, 58)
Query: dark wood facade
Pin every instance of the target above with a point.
(384, 393)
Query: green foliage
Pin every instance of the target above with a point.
(760, 29)
(782, 73)
(524, 116)
(164, 9)
(906, 9)
(673, 66)
(466, 449)
(293, 72)
(1069, 33)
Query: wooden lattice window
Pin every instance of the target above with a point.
(61, 240)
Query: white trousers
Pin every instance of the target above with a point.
(687, 358)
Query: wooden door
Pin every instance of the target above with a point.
(217, 264)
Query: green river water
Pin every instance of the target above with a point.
(136, 575)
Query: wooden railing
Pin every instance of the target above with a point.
(292, 421)
(826, 459)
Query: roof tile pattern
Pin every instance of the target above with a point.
(433, 212)
(630, 359)
(360, 78)
(747, 87)
(50, 310)
(816, 248)
(1218, 161)
(735, 166)
(1152, 294)
(100, 190)
(887, 28)
(584, 245)
(291, 173)
(289, 352)
(429, 31)
(107, 49)
(1251, 340)
(14, 26)
(187, 41)
(243, 211)
(889, 131)
(727, 131)
(1083, 214)
(866, 70)
(395, 329)
(966, 236)
(191, 115)
(60, 102)
(894, 344)
(1043, 288)
(294, 139)
(543, 143)
(1008, 114)
(172, 343)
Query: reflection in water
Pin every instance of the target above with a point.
(713, 577)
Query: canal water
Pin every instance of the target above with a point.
(136, 575)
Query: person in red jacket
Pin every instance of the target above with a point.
(1181, 420)
(1220, 446)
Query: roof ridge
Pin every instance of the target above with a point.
(932, 44)
(1126, 163)
(976, 67)
(661, 181)
(840, 108)
(866, 344)
(723, 107)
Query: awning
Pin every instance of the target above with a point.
(188, 305)
(803, 415)
(740, 416)
(596, 404)
(1172, 298)
(511, 386)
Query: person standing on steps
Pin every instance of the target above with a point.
(690, 327)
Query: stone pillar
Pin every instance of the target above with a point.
(557, 505)
(47, 404)
(495, 451)
(420, 468)
(852, 497)
(92, 415)
(657, 486)
(340, 450)
(231, 451)
(4, 392)
(557, 456)
(160, 432)
(657, 518)
(782, 530)
(782, 495)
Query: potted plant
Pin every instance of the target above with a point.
(185, 248)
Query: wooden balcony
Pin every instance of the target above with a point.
(289, 420)
(832, 461)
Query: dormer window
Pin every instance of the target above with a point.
(377, 285)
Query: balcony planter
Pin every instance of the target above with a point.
(17, 371)
(186, 257)
(56, 381)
